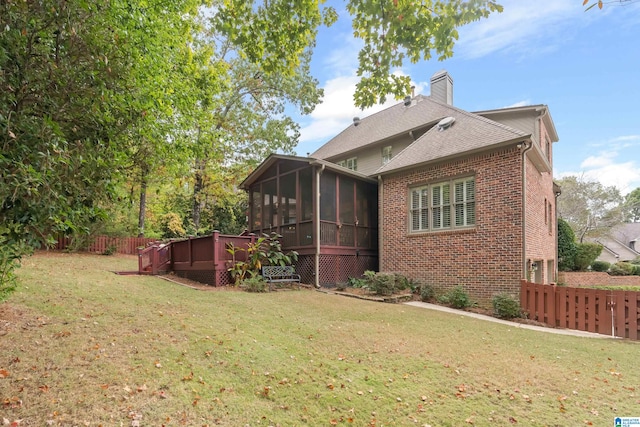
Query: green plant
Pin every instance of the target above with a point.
(600, 266)
(586, 254)
(355, 282)
(621, 269)
(427, 293)
(272, 251)
(255, 284)
(456, 298)
(506, 306)
(566, 246)
(266, 250)
(11, 252)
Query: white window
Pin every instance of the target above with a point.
(442, 206)
(351, 163)
(386, 154)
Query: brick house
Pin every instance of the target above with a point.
(463, 198)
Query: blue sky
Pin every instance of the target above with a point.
(584, 65)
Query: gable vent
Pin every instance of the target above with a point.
(445, 123)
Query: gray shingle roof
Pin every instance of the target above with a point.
(384, 124)
(469, 133)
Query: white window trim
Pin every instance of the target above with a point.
(387, 154)
(449, 217)
(350, 163)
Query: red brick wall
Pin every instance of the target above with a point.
(486, 259)
(540, 227)
(596, 278)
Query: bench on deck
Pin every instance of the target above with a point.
(279, 273)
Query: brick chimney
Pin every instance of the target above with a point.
(442, 87)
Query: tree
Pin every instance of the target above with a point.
(392, 32)
(601, 3)
(589, 207)
(632, 206)
(91, 90)
(566, 246)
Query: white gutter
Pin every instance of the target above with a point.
(317, 231)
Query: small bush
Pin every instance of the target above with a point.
(636, 270)
(255, 284)
(383, 284)
(621, 269)
(355, 282)
(456, 298)
(506, 307)
(600, 266)
(427, 293)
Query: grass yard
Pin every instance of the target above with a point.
(81, 346)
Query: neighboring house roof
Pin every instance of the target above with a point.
(385, 124)
(469, 133)
(273, 158)
(618, 242)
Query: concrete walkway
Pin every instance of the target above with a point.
(570, 332)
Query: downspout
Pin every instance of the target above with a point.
(527, 147)
(380, 217)
(317, 254)
(555, 207)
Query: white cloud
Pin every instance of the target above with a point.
(519, 27)
(609, 171)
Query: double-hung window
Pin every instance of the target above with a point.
(387, 154)
(443, 206)
(351, 163)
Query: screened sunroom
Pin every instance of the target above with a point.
(327, 213)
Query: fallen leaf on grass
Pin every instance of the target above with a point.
(44, 388)
(4, 373)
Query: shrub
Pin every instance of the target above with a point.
(456, 298)
(636, 270)
(586, 254)
(355, 282)
(621, 269)
(506, 306)
(383, 284)
(427, 293)
(255, 284)
(566, 246)
(600, 266)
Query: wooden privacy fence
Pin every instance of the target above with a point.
(615, 313)
(104, 244)
(204, 259)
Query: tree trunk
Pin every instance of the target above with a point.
(143, 202)
(198, 186)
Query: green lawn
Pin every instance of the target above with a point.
(83, 346)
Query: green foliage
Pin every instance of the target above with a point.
(266, 250)
(622, 269)
(505, 306)
(600, 266)
(11, 251)
(172, 226)
(356, 282)
(566, 246)
(386, 283)
(456, 298)
(427, 293)
(586, 254)
(255, 284)
(589, 207)
(632, 206)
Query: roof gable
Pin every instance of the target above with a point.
(388, 123)
(469, 133)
